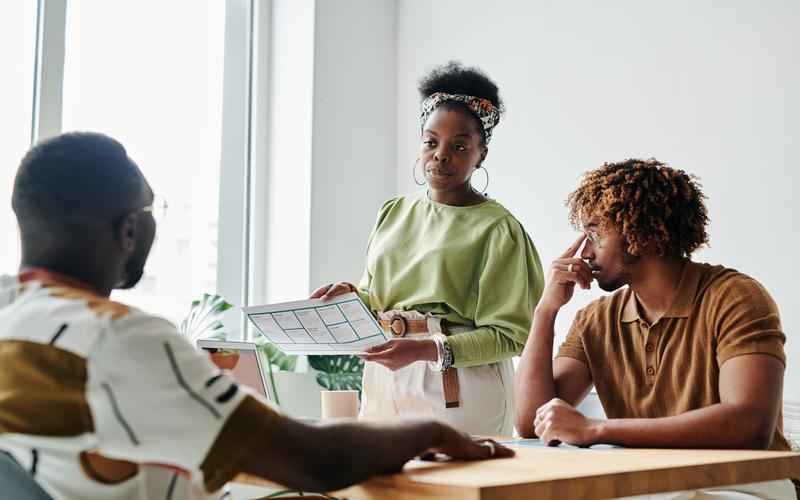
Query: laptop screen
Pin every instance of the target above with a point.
(243, 365)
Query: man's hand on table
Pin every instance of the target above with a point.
(460, 446)
(559, 422)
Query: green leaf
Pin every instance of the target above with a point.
(339, 381)
(338, 373)
(276, 357)
(204, 319)
(337, 364)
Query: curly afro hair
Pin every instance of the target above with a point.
(648, 202)
(455, 78)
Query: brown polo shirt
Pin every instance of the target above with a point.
(671, 367)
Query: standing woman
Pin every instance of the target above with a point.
(451, 274)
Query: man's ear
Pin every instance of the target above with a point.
(126, 233)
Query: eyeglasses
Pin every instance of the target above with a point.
(593, 236)
(158, 208)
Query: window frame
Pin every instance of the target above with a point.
(236, 280)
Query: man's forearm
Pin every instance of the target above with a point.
(718, 426)
(356, 451)
(326, 457)
(534, 384)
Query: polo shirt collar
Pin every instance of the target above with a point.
(687, 291)
(684, 301)
(630, 311)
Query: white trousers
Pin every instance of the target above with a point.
(486, 406)
(771, 490)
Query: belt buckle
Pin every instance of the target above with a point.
(399, 325)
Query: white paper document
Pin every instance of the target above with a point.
(341, 325)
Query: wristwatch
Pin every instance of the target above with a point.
(444, 353)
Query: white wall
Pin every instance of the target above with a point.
(710, 87)
(354, 132)
(332, 129)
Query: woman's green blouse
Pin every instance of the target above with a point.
(472, 265)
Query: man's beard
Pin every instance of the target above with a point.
(623, 277)
(134, 270)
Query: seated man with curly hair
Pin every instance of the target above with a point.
(687, 355)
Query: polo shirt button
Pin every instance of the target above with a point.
(651, 370)
(649, 348)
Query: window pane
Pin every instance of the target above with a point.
(149, 73)
(17, 51)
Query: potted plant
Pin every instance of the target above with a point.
(204, 319)
(338, 373)
(276, 361)
(204, 322)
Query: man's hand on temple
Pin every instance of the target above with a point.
(565, 272)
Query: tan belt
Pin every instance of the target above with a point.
(399, 326)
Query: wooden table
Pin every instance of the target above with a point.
(570, 473)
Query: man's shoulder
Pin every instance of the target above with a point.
(96, 305)
(46, 294)
(141, 338)
(78, 314)
(9, 286)
(719, 283)
(138, 321)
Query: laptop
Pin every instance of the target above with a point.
(242, 360)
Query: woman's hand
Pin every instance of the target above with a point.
(325, 292)
(399, 353)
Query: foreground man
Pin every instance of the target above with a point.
(99, 400)
(682, 354)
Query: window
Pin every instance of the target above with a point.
(17, 53)
(150, 74)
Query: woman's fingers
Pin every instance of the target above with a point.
(332, 290)
(338, 289)
(377, 352)
(378, 348)
(319, 292)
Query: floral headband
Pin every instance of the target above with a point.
(486, 112)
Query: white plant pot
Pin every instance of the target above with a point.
(299, 394)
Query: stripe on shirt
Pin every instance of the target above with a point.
(118, 414)
(179, 376)
(58, 334)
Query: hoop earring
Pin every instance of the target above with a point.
(414, 173)
(486, 185)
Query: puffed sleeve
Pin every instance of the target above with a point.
(364, 284)
(510, 285)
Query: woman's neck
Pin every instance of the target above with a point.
(461, 197)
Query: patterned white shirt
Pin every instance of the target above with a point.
(102, 401)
